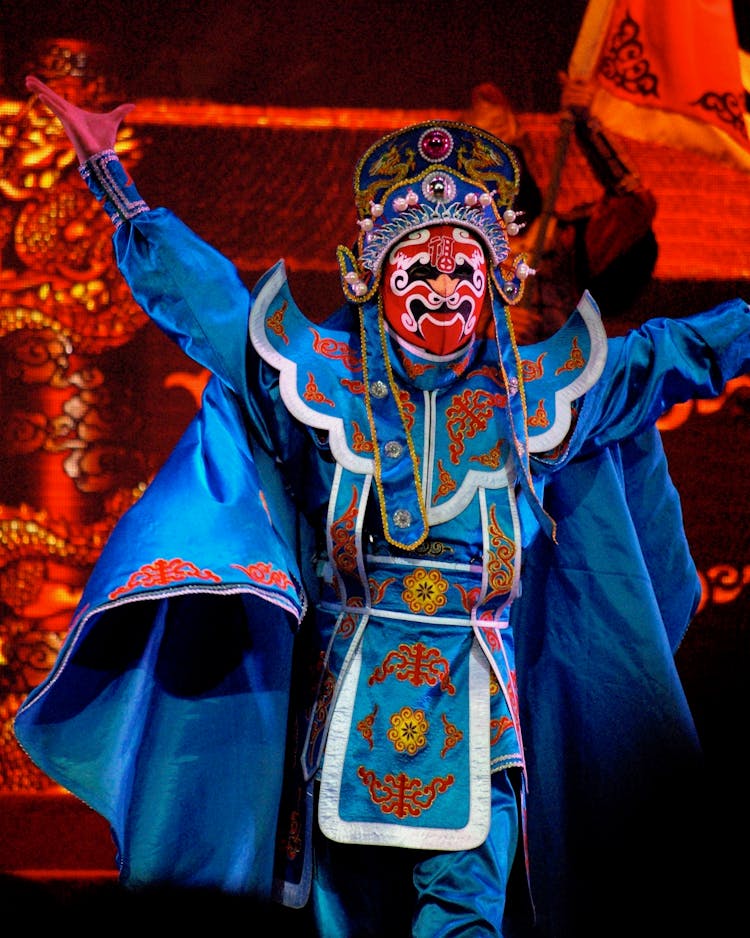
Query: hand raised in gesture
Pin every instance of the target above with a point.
(89, 132)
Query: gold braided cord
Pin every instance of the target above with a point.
(524, 409)
(373, 430)
(404, 423)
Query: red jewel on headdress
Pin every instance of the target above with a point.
(435, 144)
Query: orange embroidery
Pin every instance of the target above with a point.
(539, 418)
(343, 548)
(413, 370)
(163, 572)
(347, 625)
(493, 641)
(487, 372)
(416, 664)
(356, 387)
(468, 597)
(313, 394)
(498, 727)
(360, 443)
(459, 367)
(322, 704)
(467, 415)
(408, 408)
(402, 796)
(365, 726)
(264, 573)
(576, 359)
(377, 590)
(453, 736)
(502, 553)
(530, 371)
(338, 351)
(293, 841)
(447, 483)
(275, 322)
(491, 459)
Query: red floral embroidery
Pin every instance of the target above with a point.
(403, 796)
(576, 359)
(340, 351)
(468, 414)
(417, 664)
(162, 573)
(344, 551)
(530, 371)
(312, 393)
(498, 728)
(453, 736)
(275, 322)
(264, 573)
(365, 726)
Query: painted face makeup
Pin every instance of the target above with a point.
(434, 284)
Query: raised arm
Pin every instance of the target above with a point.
(88, 131)
(188, 288)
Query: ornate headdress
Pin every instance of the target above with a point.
(434, 173)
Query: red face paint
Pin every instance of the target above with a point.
(434, 283)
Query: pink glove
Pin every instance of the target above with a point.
(88, 132)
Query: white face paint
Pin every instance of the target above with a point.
(434, 284)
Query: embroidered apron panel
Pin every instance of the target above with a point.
(408, 747)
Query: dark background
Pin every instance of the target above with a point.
(354, 54)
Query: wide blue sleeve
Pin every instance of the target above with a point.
(662, 363)
(166, 710)
(188, 288)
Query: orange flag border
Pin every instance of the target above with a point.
(668, 128)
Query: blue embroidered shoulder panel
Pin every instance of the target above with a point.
(321, 374)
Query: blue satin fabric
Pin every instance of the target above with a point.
(166, 710)
(371, 891)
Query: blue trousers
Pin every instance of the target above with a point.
(362, 891)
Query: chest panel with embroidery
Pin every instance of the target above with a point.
(417, 670)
